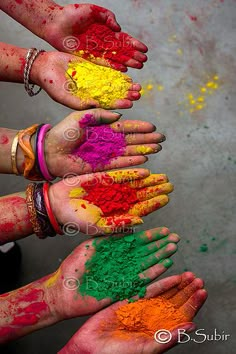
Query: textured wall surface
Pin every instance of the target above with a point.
(191, 47)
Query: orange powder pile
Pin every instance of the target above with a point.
(148, 315)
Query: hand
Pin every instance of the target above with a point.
(49, 72)
(108, 202)
(66, 137)
(156, 245)
(91, 339)
(72, 30)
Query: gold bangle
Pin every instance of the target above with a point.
(25, 144)
(13, 154)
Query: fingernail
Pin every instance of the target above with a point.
(163, 139)
(117, 113)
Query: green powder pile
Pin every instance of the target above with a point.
(113, 270)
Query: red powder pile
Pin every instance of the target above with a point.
(101, 42)
(115, 199)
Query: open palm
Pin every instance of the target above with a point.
(70, 25)
(49, 72)
(84, 203)
(154, 247)
(100, 334)
(69, 135)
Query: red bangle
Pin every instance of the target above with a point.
(51, 216)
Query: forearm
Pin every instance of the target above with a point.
(15, 220)
(27, 309)
(32, 14)
(12, 63)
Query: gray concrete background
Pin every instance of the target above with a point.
(199, 155)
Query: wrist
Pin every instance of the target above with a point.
(37, 70)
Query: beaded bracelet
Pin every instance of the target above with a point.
(37, 210)
(51, 216)
(40, 152)
(30, 58)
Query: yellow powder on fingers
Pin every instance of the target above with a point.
(100, 83)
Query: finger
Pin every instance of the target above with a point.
(116, 223)
(149, 138)
(146, 149)
(184, 294)
(131, 42)
(125, 161)
(121, 104)
(133, 95)
(140, 56)
(155, 271)
(151, 192)
(74, 102)
(186, 279)
(149, 206)
(154, 258)
(162, 286)
(133, 126)
(146, 237)
(135, 87)
(122, 176)
(159, 244)
(152, 180)
(194, 303)
(96, 116)
(126, 60)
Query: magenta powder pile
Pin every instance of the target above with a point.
(102, 144)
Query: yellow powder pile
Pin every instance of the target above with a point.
(148, 315)
(100, 83)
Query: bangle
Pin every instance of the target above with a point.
(30, 58)
(25, 144)
(51, 216)
(32, 210)
(13, 154)
(40, 153)
(36, 167)
(42, 216)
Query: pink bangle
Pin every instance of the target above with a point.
(41, 158)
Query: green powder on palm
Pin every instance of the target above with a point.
(113, 270)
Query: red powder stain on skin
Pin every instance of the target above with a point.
(76, 6)
(30, 314)
(33, 295)
(6, 67)
(4, 139)
(73, 73)
(7, 227)
(51, 81)
(6, 331)
(51, 7)
(83, 206)
(19, 2)
(44, 21)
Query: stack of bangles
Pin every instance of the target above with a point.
(41, 215)
(34, 166)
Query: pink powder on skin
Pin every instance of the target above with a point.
(102, 144)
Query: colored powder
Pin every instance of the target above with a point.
(203, 248)
(91, 81)
(115, 199)
(113, 270)
(99, 41)
(101, 146)
(147, 316)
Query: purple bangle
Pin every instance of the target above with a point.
(41, 158)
